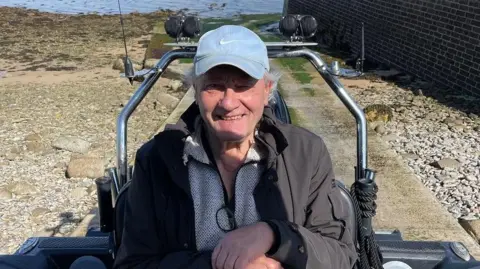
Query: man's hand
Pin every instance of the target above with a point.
(242, 246)
(263, 262)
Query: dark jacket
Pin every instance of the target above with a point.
(296, 195)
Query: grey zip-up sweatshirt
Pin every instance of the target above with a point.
(211, 223)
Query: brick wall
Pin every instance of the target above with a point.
(436, 40)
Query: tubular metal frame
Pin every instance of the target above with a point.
(274, 51)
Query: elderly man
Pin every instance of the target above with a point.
(229, 186)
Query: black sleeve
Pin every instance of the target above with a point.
(142, 246)
(323, 241)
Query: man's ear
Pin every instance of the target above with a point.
(195, 95)
(269, 85)
(268, 89)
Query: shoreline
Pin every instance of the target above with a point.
(212, 11)
(97, 13)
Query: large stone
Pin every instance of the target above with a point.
(21, 188)
(472, 227)
(409, 156)
(378, 112)
(85, 166)
(33, 137)
(449, 120)
(175, 85)
(446, 163)
(418, 101)
(11, 156)
(380, 128)
(472, 178)
(449, 183)
(72, 144)
(432, 116)
(39, 211)
(176, 72)
(167, 100)
(78, 193)
(35, 146)
(5, 194)
(16, 150)
(150, 63)
(60, 165)
(457, 128)
(119, 65)
(91, 189)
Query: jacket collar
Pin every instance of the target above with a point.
(196, 147)
(269, 132)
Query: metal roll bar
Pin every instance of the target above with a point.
(135, 100)
(274, 51)
(322, 68)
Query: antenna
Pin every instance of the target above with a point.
(361, 59)
(363, 46)
(129, 71)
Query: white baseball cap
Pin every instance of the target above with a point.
(232, 45)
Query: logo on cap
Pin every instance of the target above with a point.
(224, 42)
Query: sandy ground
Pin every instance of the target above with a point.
(60, 83)
(32, 40)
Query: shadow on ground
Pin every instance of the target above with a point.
(66, 219)
(464, 102)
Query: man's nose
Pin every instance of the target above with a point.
(229, 100)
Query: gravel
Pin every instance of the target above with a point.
(440, 142)
(36, 197)
(60, 99)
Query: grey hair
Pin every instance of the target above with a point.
(273, 76)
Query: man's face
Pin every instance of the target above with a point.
(231, 102)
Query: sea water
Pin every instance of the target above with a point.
(202, 8)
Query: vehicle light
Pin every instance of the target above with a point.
(298, 27)
(179, 27)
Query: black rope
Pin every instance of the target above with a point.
(365, 207)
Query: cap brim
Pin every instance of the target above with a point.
(253, 69)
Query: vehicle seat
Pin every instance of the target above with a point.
(351, 221)
(119, 213)
(121, 201)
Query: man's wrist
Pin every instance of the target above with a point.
(275, 233)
